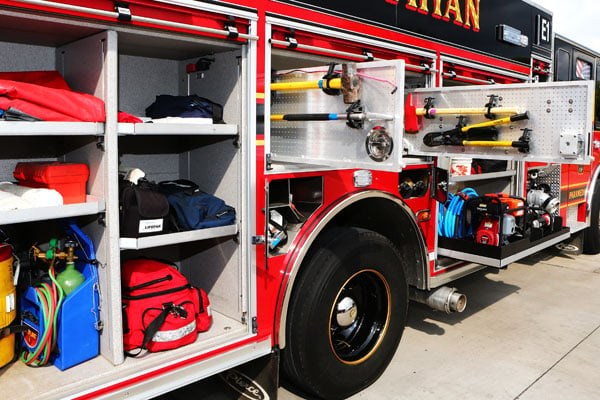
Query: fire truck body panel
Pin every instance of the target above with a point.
(323, 189)
(575, 62)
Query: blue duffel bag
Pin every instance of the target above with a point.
(195, 209)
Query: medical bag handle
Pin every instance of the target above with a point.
(152, 328)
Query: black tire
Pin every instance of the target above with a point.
(591, 236)
(333, 356)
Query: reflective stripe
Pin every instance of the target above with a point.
(176, 334)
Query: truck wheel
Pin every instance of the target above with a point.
(346, 314)
(591, 236)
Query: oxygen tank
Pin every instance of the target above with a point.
(8, 310)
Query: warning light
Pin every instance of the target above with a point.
(511, 35)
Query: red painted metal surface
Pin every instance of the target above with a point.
(272, 273)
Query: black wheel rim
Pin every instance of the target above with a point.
(359, 317)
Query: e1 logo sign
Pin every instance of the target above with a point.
(544, 30)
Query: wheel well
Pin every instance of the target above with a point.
(395, 222)
(376, 211)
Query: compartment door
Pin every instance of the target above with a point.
(559, 123)
(333, 143)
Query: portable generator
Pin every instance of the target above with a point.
(489, 230)
(497, 217)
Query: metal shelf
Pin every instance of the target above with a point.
(495, 256)
(93, 205)
(481, 177)
(177, 129)
(43, 128)
(176, 238)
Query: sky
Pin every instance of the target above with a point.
(578, 20)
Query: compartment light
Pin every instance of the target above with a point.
(379, 144)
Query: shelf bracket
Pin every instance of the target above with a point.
(259, 239)
(231, 28)
(123, 10)
(102, 219)
(100, 143)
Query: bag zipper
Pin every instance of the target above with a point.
(200, 301)
(149, 295)
(149, 283)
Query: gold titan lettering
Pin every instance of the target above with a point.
(472, 14)
(453, 7)
(471, 11)
(437, 9)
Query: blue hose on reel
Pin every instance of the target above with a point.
(450, 214)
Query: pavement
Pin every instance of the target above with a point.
(531, 331)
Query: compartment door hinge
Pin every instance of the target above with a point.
(268, 162)
(254, 325)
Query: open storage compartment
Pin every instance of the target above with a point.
(291, 203)
(150, 66)
(205, 152)
(504, 214)
(79, 51)
(127, 67)
(214, 266)
(478, 227)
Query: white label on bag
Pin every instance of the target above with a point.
(150, 225)
(176, 334)
(10, 302)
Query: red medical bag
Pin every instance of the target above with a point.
(161, 310)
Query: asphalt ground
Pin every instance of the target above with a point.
(531, 331)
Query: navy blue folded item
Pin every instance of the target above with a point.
(192, 106)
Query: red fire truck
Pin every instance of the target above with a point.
(374, 153)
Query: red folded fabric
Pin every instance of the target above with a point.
(47, 96)
(51, 79)
(125, 117)
(51, 104)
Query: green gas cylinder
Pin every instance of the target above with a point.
(70, 278)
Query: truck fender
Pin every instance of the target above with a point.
(416, 277)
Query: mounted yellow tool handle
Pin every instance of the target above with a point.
(335, 83)
(488, 143)
(500, 121)
(468, 111)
